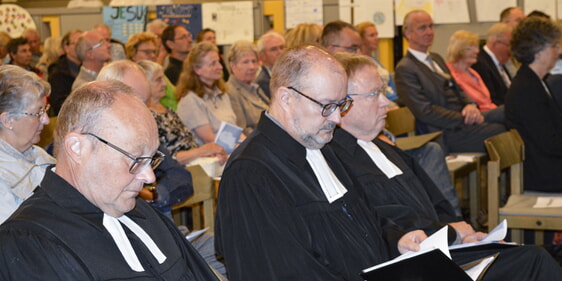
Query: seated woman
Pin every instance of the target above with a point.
(369, 45)
(203, 102)
(23, 107)
(462, 53)
(247, 98)
(172, 132)
(144, 46)
(529, 104)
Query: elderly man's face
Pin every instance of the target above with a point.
(326, 84)
(273, 47)
(368, 112)
(129, 126)
(501, 48)
(420, 32)
(99, 47)
(34, 42)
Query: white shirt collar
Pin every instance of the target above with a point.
(487, 50)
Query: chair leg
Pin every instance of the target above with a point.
(474, 196)
(208, 215)
(539, 237)
(517, 235)
(196, 215)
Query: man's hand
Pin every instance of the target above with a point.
(463, 229)
(411, 240)
(472, 115)
(474, 237)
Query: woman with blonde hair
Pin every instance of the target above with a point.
(203, 102)
(462, 53)
(304, 33)
(248, 99)
(52, 50)
(369, 46)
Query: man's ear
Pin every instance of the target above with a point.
(285, 97)
(76, 146)
(7, 120)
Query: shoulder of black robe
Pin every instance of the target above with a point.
(59, 235)
(274, 223)
(408, 199)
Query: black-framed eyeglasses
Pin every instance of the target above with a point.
(139, 163)
(374, 94)
(351, 49)
(39, 114)
(328, 108)
(99, 44)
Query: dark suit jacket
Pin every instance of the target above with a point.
(61, 78)
(492, 78)
(263, 80)
(537, 117)
(433, 100)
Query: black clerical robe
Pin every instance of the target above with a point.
(411, 200)
(59, 235)
(274, 222)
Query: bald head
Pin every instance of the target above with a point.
(130, 73)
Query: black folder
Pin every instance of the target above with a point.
(429, 266)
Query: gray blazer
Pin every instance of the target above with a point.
(434, 100)
(248, 102)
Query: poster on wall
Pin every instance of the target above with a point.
(124, 21)
(232, 21)
(402, 7)
(187, 15)
(489, 11)
(450, 11)
(301, 11)
(379, 12)
(15, 19)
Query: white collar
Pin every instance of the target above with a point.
(330, 184)
(382, 162)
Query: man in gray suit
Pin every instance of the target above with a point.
(425, 85)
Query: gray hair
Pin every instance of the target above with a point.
(19, 88)
(532, 35)
(261, 42)
(82, 46)
(150, 68)
(498, 31)
(240, 47)
(116, 70)
(156, 23)
(295, 64)
(83, 108)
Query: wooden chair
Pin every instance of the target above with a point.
(506, 152)
(203, 196)
(401, 121)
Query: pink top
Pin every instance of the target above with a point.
(473, 86)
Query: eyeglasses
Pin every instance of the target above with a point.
(374, 94)
(182, 37)
(102, 41)
(39, 114)
(139, 163)
(148, 52)
(352, 49)
(329, 108)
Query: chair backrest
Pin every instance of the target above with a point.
(401, 121)
(506, 153)
(507, 148)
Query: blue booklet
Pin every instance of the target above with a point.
(228, 136)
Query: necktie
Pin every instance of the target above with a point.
(504, 75)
